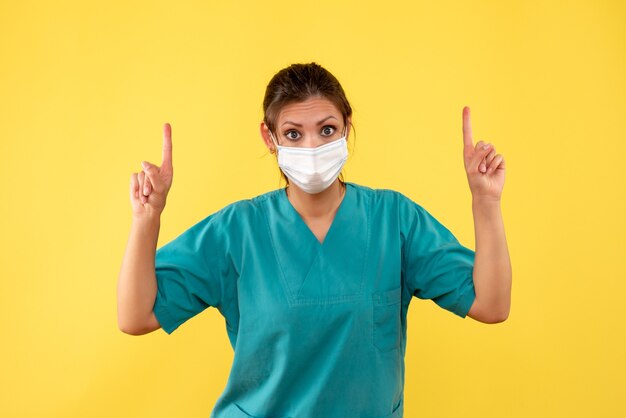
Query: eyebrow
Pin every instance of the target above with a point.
(319, 123)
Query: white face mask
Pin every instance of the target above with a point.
(313, 169)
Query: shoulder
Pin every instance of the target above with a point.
(242, 210)
(386, 197)
(391, 206)
(370, 192)
(240, 218)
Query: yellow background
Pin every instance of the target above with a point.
(85, 89)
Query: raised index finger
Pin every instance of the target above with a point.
(167, 145)
(467, 128)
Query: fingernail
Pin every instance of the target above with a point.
(486, 146)
(144, 164)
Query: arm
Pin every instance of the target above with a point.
(492, 266)
(137, 287)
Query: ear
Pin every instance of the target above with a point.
(265, 135)
(348, 126)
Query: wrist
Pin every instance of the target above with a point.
(147, 219)
(485, 201)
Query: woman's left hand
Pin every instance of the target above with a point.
(485, 168)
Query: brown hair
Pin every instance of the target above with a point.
(297, 83)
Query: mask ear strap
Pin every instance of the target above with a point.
(273, 140)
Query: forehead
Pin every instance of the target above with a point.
(308, 111)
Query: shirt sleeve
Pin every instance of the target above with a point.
(188, 272)
(434, 264)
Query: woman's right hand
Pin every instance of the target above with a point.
(149, 188)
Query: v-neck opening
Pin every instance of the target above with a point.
(332, 226)
(321, 273)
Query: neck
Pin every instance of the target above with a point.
(317, 205)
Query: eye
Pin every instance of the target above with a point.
(290, 137)
(328, 130)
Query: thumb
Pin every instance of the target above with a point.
(152, 173)
(478, 157)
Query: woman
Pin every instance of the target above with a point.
(314, 279)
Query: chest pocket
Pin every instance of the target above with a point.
(238, 412)
(386, 319)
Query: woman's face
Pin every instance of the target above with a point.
(308, 124)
